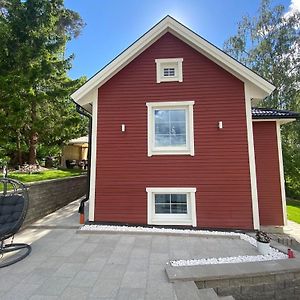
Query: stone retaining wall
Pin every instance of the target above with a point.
(275, 279)
(47, 196)
(273, 286)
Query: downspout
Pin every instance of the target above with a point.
(85, 113)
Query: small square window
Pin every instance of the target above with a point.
(170, 203)
(169, 69)
(171, 206)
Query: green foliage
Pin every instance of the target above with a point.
(34, 86)
(269, 44)
(293, 210)
(45, 175)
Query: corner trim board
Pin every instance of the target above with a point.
(93, 161)
(281, 173)
(251, 153)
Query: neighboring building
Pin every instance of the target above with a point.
(75, 153)
(174, 140)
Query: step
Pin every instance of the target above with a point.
(188, 290)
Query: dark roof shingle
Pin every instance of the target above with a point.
(269, 113)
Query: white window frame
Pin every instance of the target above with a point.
(186, 150)
(175, 63)
(172, 219)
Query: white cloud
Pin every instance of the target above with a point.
(294, 7)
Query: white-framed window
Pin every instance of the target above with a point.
(169, 69)
(170, 128)
(171, 206)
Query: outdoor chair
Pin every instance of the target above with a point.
(13, 209)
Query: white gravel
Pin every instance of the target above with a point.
(116, 228)
(273, 255)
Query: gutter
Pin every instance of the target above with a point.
(85, 113)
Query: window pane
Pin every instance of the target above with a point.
(178, 198)
(161, 116)
(170, 203)
(170, 127)
(178, 140)
(162, 209)
(177, 115)
(162, 140)
(169, 72)
(178, 128)
(178, 208)
(162, 128)
(162, 198)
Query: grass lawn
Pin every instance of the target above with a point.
(45, 175)
(293, 210)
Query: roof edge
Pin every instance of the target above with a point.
(187, 35)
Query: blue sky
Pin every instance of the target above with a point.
(112, 25)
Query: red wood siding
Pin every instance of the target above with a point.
(219, 170)
(267, 173)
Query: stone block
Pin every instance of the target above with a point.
(269, 295)
(217, 283)
(252, 289)
(229, 291)
(284, 276)
(240, 281)
(274, 286)
(263, 279)
(285, 294)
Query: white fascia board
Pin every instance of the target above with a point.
(280, 121)
(122, 60)
(168, 24)
(88, 98)
(219, 57)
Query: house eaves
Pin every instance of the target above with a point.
(88, 91)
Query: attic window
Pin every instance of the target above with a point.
(169, 69)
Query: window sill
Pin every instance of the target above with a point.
(170, 153)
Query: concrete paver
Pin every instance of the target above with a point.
(67, 265)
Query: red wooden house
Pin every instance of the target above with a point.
(176, 140)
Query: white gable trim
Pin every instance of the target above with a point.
(168, 24)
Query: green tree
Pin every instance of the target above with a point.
(34, 85)
(269, 44)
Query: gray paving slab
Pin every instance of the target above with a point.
(138, 264)
(106, 288)
(159, 291)
(43, 297)
(131, 294)
(67, 265)
(54, 286)
(75, 293)
(68, 270)
(20, 291)
(84, 279)
(134, 279)
(94, 264)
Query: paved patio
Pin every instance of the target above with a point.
(67, 265)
